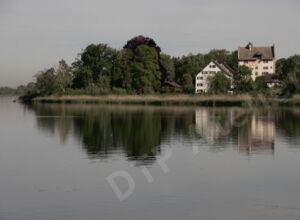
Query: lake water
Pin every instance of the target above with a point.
(87, 162)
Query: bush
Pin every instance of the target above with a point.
(75, 92)
(118, 91)
(94, 90)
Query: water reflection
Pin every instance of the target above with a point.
(139, 131)
(258, 135)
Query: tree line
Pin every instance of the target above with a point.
(141, 68)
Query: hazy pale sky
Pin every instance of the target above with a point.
(35, 34)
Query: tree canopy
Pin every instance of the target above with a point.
(140, 68)
(219, 84)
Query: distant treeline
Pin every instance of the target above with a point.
(11, 91)
(141, 68)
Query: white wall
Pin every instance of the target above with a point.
(258, 66)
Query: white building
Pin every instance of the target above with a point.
(261, 60)
(201, 82)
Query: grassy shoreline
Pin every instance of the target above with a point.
(171, 100)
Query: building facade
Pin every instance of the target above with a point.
(261, 60)
(202, 82)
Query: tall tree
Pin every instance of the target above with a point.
(188, 85)
(242, 80)
(46, 82)
(168, 64)
(219, 84)
(96, 61)
(145, 69)
(191, 65)
(63, 76)
(141, 67)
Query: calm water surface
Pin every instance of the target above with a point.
(224, 163)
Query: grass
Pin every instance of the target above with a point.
(198, 100)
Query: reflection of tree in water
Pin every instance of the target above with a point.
(289, 124)
(138, 131)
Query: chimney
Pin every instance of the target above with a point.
(249, 46)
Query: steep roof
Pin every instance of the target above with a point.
(252, 53)
(171, 84)
(225, 68)
(272, 78)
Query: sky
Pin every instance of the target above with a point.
(36, 34)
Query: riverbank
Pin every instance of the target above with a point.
(172, 100)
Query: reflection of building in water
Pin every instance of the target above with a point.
(257, 135)
(254, 132)
(212, 124)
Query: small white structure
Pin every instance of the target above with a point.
(209, 71)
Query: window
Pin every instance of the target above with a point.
(199, 84)
(199, 78)
(265, 73)
(256, 73)
(265, 61)
(246, 62)
(212, 66)
(266, 68)
(271, 67)
(256, 68)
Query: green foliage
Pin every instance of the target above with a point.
(63, 77)
(97, 63)
(145, 68)
(242, 80)
(83, 77)
(188, 85)
(124, 75)
(219, 84)
(191, 65)
(233, 60)
(46, 82)
(7, 91)
(289, 70)
(217, 55)
(118, 91)
(259, 85)
(168, 64)
(140, 70)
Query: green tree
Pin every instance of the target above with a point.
(188, 85)
(46, 82)
(233, 60)
(242, 80)
(123, 73)
(289, 70)
(63, 77)
(83, 77)
(191, 64)
(219, 84)
(259, 85)
(217, 55)
(95, 62)
(168, 64)
(145, 69)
